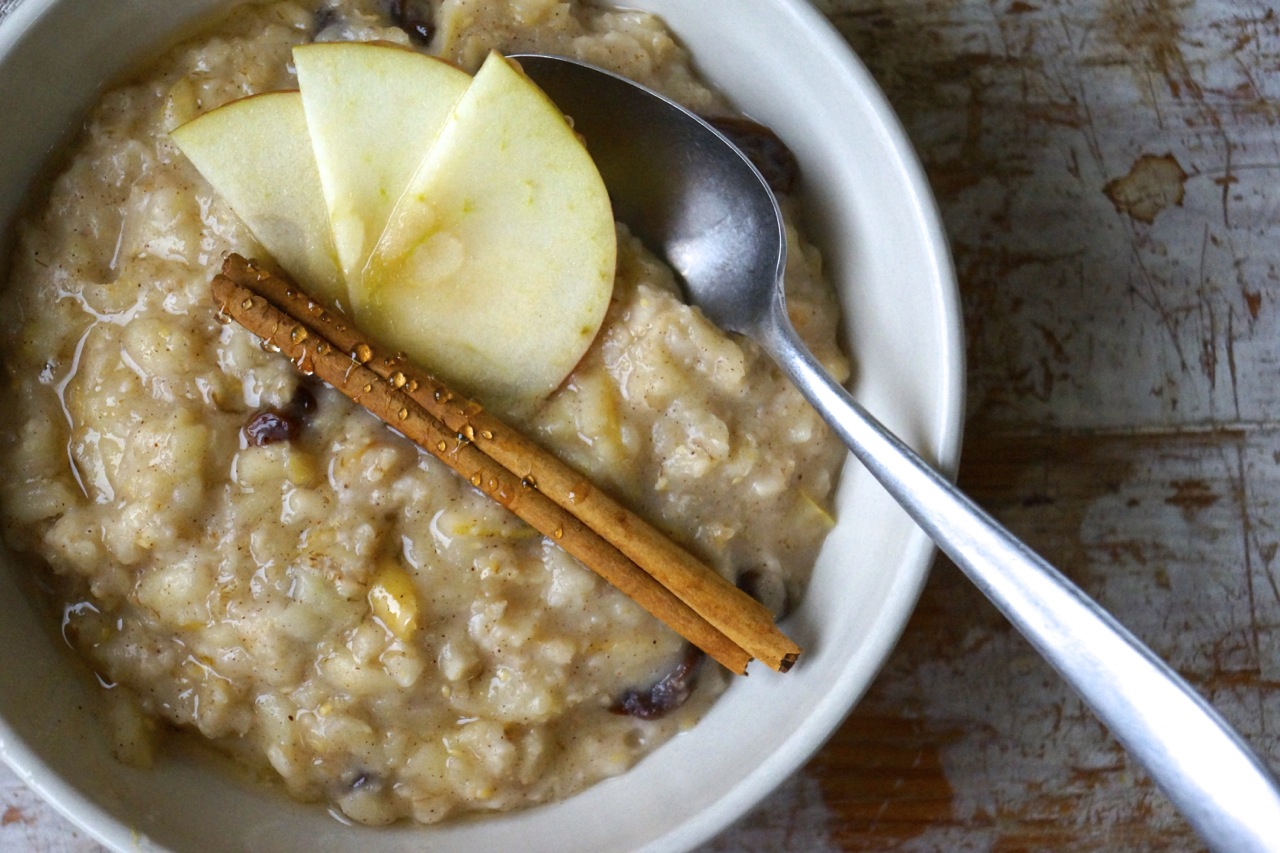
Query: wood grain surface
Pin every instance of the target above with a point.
(1106, 170)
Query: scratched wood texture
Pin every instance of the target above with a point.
(1105, 169)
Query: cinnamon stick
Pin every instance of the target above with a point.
(740, 617)
(350, 371)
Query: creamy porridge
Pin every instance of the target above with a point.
(224, 536)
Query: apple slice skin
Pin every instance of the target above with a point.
(373, 111)
(256, 153)
(497, 265)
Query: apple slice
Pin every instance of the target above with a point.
(257, 155)
(373, 111)
(497, 264)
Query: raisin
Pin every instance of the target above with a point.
(764, 149)
(664, 696)
(303, 404)
(415, 18)
(270, 426)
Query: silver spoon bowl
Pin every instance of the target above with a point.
(696, 200)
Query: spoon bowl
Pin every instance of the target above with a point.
(698, 202)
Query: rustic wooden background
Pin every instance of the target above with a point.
(1105, 169)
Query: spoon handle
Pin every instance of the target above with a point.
(1223, 789)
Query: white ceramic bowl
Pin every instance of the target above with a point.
(871, 212)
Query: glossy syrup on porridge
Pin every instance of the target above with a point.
(223, 535)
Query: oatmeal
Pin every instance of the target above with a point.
(242, 552)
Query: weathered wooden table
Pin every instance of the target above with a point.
(1107, 171)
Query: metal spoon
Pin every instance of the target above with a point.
(693, 197)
